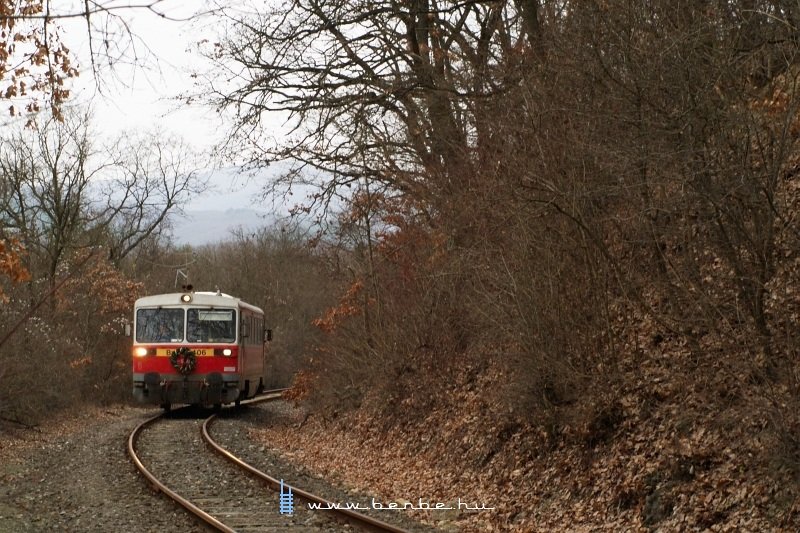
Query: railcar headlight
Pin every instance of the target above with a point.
(186, 298)
(227, 352)
(140, 352)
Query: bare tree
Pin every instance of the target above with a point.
(62, 192)
(47, 178)
(153, 175)
(382, 91)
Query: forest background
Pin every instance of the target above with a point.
(570, 227)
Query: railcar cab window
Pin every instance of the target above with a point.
(211, 325)
(159, 325)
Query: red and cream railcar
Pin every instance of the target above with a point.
(200, 348)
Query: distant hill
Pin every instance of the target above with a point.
(233, 200)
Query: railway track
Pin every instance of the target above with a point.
(185, 464)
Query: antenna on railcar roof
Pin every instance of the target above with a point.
(180, 273)
(179, 270)
(219, 292)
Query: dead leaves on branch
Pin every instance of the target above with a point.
(102, 291)
(32, 53)
(349, 305)
(11, 263)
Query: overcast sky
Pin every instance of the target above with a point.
(145, 96)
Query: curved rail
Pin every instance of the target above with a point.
(160, 487)
(349, 515)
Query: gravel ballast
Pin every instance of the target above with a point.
(75, 475)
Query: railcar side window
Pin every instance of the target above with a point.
(211, 325)
(159, 325)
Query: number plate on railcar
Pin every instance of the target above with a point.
(202, 352)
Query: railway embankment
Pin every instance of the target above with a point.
(665, 455)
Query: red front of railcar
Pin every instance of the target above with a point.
(196, 348)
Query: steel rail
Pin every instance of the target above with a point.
(349, 515)
(160, 487)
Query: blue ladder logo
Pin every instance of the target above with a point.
(286, 503)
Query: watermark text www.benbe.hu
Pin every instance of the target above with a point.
(420, 505)
(287, 504)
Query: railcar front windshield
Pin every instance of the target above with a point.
(211, 325)
(159, 325)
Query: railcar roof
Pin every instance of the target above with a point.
(198, 298)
